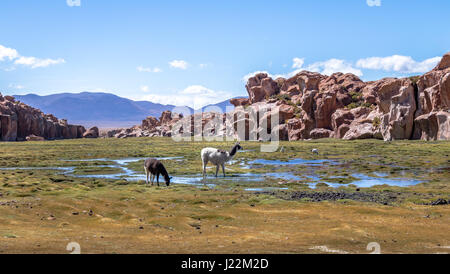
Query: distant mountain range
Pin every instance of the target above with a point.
(104, 110)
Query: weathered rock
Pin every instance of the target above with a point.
(319, 133)
(326, 106)
(150, 123)
(444, 63)
(240, 102)
(18, 121)
(360, 131)
(166, 117)
(301, 82)
(260, 87)
(444, 88)
(311, 105)
(91, 133)
(35, 138)
(397, 124)
(432, 126)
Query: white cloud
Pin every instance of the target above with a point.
(202, 66)
(16, 86)
(144, 69)
(374, 3)
(34, 62)
(180, 64)
(298, 62)
(332, 66)
(326, 67)
(398, 63)
(73, 3)
(8, 53)
(273, 76)
(144, 88)
(195, 96)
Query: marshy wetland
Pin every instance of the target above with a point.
(93, 192)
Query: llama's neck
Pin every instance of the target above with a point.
(165, 174)
(233, 151)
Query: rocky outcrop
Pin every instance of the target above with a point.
(19, 121)
(91, 133)
(150, 127)
(238, 102)
(261, 87)
(312, 106)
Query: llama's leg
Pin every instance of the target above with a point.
(223, 170)
(146, 173)
(205, 163)
(157, 178)
(152, 178)
(217, 170)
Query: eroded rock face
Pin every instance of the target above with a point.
(310, 106)
(433, 126)
(91, 133)
(35, 138)
(260, 87)
(237, 102)
(19, 121)
(397, 124)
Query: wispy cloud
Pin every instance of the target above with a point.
(144, 88)
(8, 53)
(32, 62)
(298, 62)
(179, 64)
(144, 69)
(195, 96)
(398, 63)
(73, 3)
(326, 67)
(332, 66)
(374, 3)
(16, 86)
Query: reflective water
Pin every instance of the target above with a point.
(362, 180)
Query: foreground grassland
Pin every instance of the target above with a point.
(42, 210)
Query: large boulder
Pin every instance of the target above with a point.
(239, 102)
(260, 87)
(166, 117)
(300, 83)
(150, 123)
(319, 133)
(444, 63)
(325, 107)
(432, 126)
(35, 138)
(397, 124)
(91, 133)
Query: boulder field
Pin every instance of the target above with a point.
(20, 122)
(310, 105)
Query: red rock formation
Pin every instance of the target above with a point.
(260, 87)
(237, 102)
(19, 121)
(311, 106)
(91, 133)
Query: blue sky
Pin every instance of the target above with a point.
(199, 52)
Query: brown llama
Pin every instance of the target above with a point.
(154, 168)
